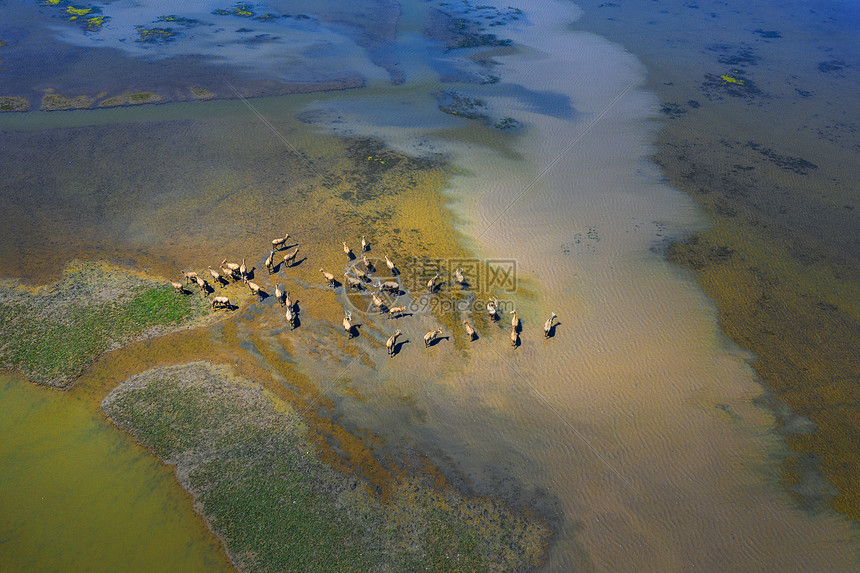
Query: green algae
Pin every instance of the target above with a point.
(241, 10)
(261, 483)
(52, 333)
(95, 23)
(735, 84)
(154, 35)
(179, 20)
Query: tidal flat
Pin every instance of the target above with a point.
(763, 134)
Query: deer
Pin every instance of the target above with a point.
(515, 321)
(492, 305)
(290, 258)
(347, 324)
(470, 332)
(391, 343)
(396, 311)
(353, 282)
(431, 336)
(216, 276)
(547, 327)
(220, 302)
(328, 277)
(291, 317)
(255, 288)
(278, 244)
(431, 284)
(359, 273)
(391, 286)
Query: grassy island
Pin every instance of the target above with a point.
(259, 479)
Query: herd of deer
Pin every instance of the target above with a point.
(233, 272)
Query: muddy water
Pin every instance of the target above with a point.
(633, 429)
(79, 496)
(638, 415)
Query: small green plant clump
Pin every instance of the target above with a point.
(241, 10)
(155, 35)
(248, 459)
(51, 334)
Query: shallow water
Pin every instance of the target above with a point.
(79, 496)
(633, 429)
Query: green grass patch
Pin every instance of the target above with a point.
(51, 334)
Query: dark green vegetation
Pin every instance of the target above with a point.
(257, 477)
(52, 333)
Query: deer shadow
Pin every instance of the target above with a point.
(354, 331)
(397, 346)
(551, 332)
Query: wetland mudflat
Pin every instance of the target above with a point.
(490, 138)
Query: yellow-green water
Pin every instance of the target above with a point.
(77, 495)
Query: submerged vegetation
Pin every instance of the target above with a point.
(14, 103)
(153, 35)
(454, 103)
(50, 334)
(261, 482)
(52, 101)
